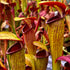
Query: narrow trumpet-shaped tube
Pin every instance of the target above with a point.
(29, 37)
(17, 57)
(42, 60)
(56, 32)
(55, 24)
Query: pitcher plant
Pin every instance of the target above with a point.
(16, 60)
(55, 24)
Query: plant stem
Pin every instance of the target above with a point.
(44, 40)
(5, 47)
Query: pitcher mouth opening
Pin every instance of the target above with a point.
(14, 48)
(28, 68)
(42, 54)
(54, 18)
(26, 28)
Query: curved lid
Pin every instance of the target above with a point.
(5, 35)
(24, 19)
(53, 3)
(64, 58)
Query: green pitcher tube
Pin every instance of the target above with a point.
(17, 56)
(42, 60)
(56, 37)
(29, 37)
